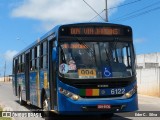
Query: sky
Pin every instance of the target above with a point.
(24, 21)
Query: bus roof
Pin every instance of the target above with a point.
(55, 31)
(94, 23)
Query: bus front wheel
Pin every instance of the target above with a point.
(45, 103)
(20, 98)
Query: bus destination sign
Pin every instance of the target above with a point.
(108, 31)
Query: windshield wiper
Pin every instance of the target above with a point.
(89, 50)
(108, 54)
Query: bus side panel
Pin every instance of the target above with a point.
(14, 77)
(13, 85)
(34, 88)
(44, 84)
(21, 85)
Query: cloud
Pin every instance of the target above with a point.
(61, 11)
(8, 55)
(7, 58)
(139, 40)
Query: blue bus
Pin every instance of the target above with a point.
(82, 68)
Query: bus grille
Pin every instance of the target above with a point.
(100, 85)
(107, 96)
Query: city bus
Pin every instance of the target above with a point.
(78, 69)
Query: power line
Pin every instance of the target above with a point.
(97, 15)
(140, 14)
(115, 7)
(125, 4)
(132, 13)
(94, 10)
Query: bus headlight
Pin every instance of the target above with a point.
(128, 95)
(68, 94)
(75, 97)
(131, 92)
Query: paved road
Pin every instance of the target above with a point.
(7, 99)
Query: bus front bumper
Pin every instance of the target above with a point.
(83, 106)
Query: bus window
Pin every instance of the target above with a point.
(79, 60)
(38, 55)
(122, 60)
(43, 53)
(23, 62)
(19, 64)
(13, 66)
(35, 57)
(33, 60)
(45, 48)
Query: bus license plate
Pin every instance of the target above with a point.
(104, 106)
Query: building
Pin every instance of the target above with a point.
(6, 79)
(148, 74)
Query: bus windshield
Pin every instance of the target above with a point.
(94, 60)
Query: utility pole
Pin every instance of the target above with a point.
(106, 11)
(4, 70)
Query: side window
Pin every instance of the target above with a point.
(37, 49)
(23, 64)
(34, 61)
(20, 67)
(43, 55)
(14, 63)
(128, 56)
(20, 64)
(35, 58)
(30, 57)
(44, 48)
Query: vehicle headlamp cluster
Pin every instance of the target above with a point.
(68, 94)
(131, 92)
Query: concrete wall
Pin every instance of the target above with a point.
(149, 81)
(153, 59)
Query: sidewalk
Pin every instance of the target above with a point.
(151, 99)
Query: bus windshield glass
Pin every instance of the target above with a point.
(94, 60)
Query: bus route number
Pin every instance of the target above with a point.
(117, 91)
(87, 73)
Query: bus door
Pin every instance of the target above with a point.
(27, 55)
(15, 73)
(52, 75)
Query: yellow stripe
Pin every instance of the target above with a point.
(95, 92)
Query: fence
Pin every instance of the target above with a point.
(149, 81)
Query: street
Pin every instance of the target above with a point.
(8, 100)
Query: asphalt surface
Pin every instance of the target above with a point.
(10, 102)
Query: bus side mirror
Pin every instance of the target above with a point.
(54, 54)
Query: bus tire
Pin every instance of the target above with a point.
(20, 97)
(44, 104)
